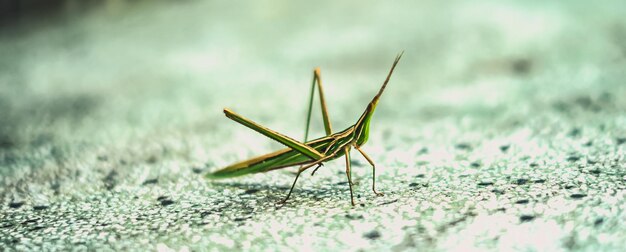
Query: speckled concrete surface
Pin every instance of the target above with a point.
(504, 127)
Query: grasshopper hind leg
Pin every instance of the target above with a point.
(300, 170)
(317, 79)
(291, 190)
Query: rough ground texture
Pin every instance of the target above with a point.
(504, 127)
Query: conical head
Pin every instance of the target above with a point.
(362, 125)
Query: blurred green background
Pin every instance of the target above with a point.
(502, 127)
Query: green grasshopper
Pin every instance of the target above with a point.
(307, 154)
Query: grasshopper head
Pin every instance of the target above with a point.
(362, 127)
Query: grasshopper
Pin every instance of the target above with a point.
(307, 154)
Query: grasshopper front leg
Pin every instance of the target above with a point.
(373, 170)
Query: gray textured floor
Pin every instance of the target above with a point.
(504, 127)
